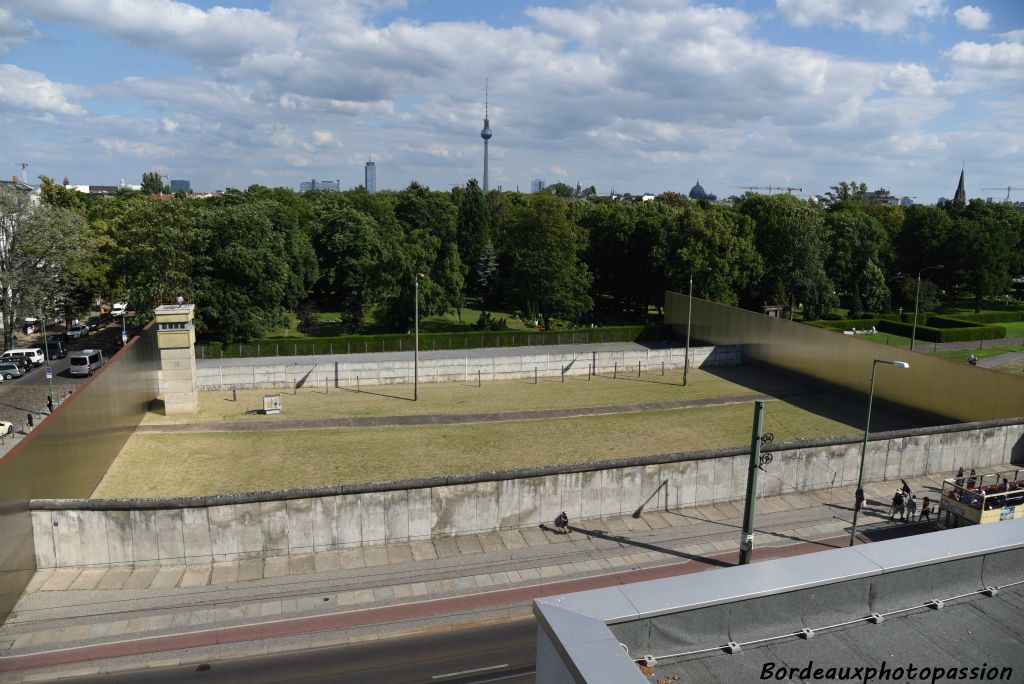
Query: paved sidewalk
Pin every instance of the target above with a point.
(400, 587)
(1000, 359)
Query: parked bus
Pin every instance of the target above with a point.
(981, 498)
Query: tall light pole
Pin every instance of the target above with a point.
(917, 297)
(689, 319)
(416, 343)
(864, 445)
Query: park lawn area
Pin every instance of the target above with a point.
(1014, 329)
(192, 464)
(1017, 367)
(996, 350)
(462, 397)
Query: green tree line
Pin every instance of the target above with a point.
(245, 258)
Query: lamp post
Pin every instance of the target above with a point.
(864, 445)
(913, 331)
(416, 343)
(689, 318)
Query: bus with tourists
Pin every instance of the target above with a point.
(981, 498)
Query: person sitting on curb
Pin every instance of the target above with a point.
(562, 523)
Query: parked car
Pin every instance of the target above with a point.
(86, 362)
(56, 349)
(11, 369)
(77, 331)
(119, 309)
(6, 428)
(33, 354)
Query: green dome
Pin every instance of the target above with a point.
(697, 192)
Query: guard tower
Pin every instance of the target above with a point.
(176, 338)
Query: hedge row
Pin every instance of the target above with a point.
(937, 321)
(359, 344)
(993, 316)
(934, 334)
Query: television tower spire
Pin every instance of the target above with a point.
(486, 132)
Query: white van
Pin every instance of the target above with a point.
(34, 354)
(119, 309)
(85, 362)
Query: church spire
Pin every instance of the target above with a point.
(961, 194)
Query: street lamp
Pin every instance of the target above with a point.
(416, 343)
(913, 331)
(689, 318)
(864, 445)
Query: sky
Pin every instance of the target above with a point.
(625, 95)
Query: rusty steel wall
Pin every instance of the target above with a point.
(931, 385)
(69, 452)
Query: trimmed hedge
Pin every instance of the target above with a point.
(993, 316)
(859, 323)
(936, 334)
(359, 344)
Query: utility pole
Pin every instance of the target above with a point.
(747, 537)
(46, 355)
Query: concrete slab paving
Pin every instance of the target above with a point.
(167, 577)
(446, 547)
(224, 573)
(375, 556)
(275, 566)
(491, 541)
(88, 579)
(38, 580)
(399, 553)
(115, 578)
(61, 579)
(301, 565)
(196, 576)
(351, 559)
(468, 544)
(422, 550)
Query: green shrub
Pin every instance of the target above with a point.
(937, 321)
(935, 334)
(993, 316)
(859, 323)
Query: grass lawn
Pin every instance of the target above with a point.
(185, 464)
(994, 350)
(1016, 367)
(461, 397)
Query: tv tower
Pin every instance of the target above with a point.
(485, 134)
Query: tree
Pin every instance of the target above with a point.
(180, 194)
(560, 190)
(547, 275)
(982, 248)
(844, 191)
(40, 246)
(151, 183)
(473, 228)
(854, 239)
(789, 235)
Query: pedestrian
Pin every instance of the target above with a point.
(49, 403)
(911, 508)
(906, 487)
(960, 478)
(29, 419)
(562, 523)
(972, 480)
(897, 502)
(972, 360)
(926, 510)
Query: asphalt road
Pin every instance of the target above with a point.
(495, 653)
(27, 394)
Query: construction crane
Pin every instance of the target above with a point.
(769, 188)
(24, 174)
(1008, 189)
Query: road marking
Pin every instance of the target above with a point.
(466, 672)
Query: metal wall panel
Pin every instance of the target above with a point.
(931, 385)
(68, 453)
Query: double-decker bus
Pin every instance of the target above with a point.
(981, 498)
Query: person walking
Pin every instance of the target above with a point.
(972, 480)
(926, 510)
(911, 508)
(28, 417)
(959, 478)
(49, 403)
(896, 505)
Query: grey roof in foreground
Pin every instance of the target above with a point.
(687, 621)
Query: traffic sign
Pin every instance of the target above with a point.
(49, 373)
(124, 337)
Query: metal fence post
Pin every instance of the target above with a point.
(479, 383)
(615, 371)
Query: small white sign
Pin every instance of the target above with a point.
(49, 373)
(124, 337)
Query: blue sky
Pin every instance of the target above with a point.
(631, 95)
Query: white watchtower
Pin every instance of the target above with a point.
(176, 339)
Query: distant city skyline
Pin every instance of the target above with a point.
(637, 96)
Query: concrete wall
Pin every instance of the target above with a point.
(68, 453)
(337, 372)
(225, 528)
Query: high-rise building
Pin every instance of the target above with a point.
(370, 173)
(177, 185)
(314, 184)
(486, 135)
(536, 185)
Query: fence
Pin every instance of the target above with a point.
(365, 344)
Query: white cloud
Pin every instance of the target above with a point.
(973, 18)
(15, 30)
(976, 65)
(32, 91)
(1013, 36)
(168, 125)
(882, 16)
